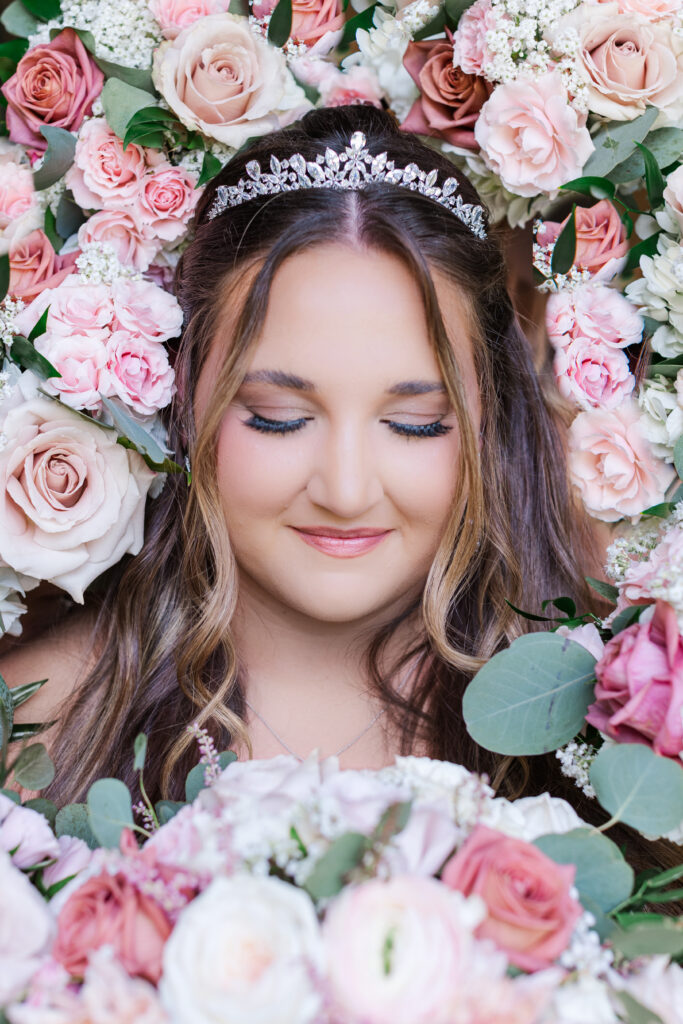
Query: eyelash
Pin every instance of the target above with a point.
(266, 426)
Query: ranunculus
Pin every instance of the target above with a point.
(673, 194)
(450, 99)
(166, 200)
(109, 910)
(137, 372)
(628, 62)
(141, 307)
(133, 243)
(470, 49)
(531, 912)
(34, 265)
(531, 136)
(223, 80)
(612, 465)
(601, 244)
(247, 949)
(175, 15)
(25, 834)
(26, 930)
(75, 307)
(592, 374)
(71, 499)
(72, 857)
(55, 84)
(639, 691)
(19, 211)
(592, 312)
(103, 172)
(80, 359)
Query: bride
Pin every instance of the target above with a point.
(374, 475)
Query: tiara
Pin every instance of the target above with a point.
(354, 168)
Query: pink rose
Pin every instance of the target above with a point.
(166, 201)
(26, 933)
(595, 313)
(73, 857)
(55, 84)
(450, 100)
(141, 307)
(531, 136)
(131, 240)
(356, 84)
(311, 19)
(34, 265)
(74, 308)
(601, 244)
(19, 211)
(109, 910)
(103, 173)
(531, 912)
(673, 194)
(138, 373)
(175, 15)
(80, 359)
(651, 9)
(470, 49)
(612, 464)
(592, 374)
(72, 500)
(639, 690)
(25, 834)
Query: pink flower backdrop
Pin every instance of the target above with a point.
(299, 893)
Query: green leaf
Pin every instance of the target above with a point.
(11, 794)
(455, 10)
(603, 588)
(149, 139)
(661, 511)
(44, 807)
(280, 24)
(329, 874)
(393, 821)
(626, 617)
(678, 457)
(137, 78)
(654, 180)
(33, 769)
(7, 68)
(167, 809)
(87, 38)
(16, 20)
(73, 820)
(565, 604)
(14, 49)
(194, 783)
(7, 706)
(616, 141)
(69, 216)
(649, 938)
(59, 156)
(639, 787)
(603, 877)
(532, 697)
(598, 188)
(121, 101)
(4, 275)
(133, 436)
(109, 810)
(40, 327)
(26, 730)
(564, 251)
(20, 694)
(43, 9)
(635, 1012)
(50, 229)
(153, 121)
(140, 752)
(665, 144)
(24, 354)
(211, 166)
(364, 19)
(646, 247)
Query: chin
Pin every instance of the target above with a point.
(337, 604)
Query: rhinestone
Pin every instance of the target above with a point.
(378, 163)
(275, 165)
(430, 180)
(298, 164)
(357, 142)
(411, 172)
(332, 159)
(254, 169)
(316, 173)
(394, 176)
(450, 186)
(354, 177)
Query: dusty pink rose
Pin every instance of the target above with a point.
(470, 49)
(138, 373)
(103, 173)
(19, 211)
(25, 834)
(601, 244)
(612, 465)
(55, 84)
(34, 265)
(141, 307)
(673, 194)
(175, 15)
(592, 374)
(166, 200)
(74, 308)
(130, 239)
(109, 910)
(80, 359)
(639, 691)
(74, 856)
(531, 912)
(450, 99)
(531, 136)
(593, 312)
(356, 84)
(652, 9)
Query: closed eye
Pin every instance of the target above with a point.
(271, 426)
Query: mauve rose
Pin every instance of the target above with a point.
(74, 856)
(34, 265)
(138, 373)
(103, 173)
(109, 910)
(19, 211)
(55, 84)
(141, 307)
(592, 374)
(25, 834)
(175, 15)
(470, 49)
(639, 690)
(166, 200)
(531, 912)
(450, 100)
(601, 244)
(80, 359)
(130, 239)
(531, 136)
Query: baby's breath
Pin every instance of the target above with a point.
(99, 264)
(9, 308)
(125, 32)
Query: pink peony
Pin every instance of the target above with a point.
(73, 857)
(25, 834)
(531, 136)
(103, 173)
(138, 373)
(130, 239)
(592, 374)
(175, 15)
(19, 211)
(531, 912)
(141, 307)
(470, 49)
(612, 464)
(601, 244)
(639, 690)
(34, 265)
(55, 84)
(166, 201)
(80, 359)
(593, 312)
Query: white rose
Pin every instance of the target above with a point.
(662, 420)
(247, 949)
(26, 930)
(659, 293)
(381, 48)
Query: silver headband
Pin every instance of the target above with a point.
(353, 169)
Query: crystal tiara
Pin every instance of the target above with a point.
(354, 168)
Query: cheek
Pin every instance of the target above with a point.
(422, 478)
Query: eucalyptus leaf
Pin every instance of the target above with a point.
(532, 697)
(194, 783)
(20, 694)
(649, 938)
(109, 810)
(73, 820)
(598, 188)
(603, 588)
(140, 752)
(665, 144)
(16, 20)
(167, 809)
(678, 457)
(639, 787)
(635, 1012)
(7, 705)
(25, 355)
(12, 795)
(69, 216)
(137, 78)
(4, 275)
(280, 25)
(654, 180)
(59, 156)
(45, 807)
(33, 769)
(43, 9)
(602, 875)
(393, 821)
(626, 617)
(616, 141)
(121, 101)
(130, 429)
(328, 875)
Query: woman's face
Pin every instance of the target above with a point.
(337, 459)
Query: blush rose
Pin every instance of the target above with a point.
(103, 173)
(601, 244)
(80, 360)
(531, 912)
(651, 9)
(593, 312)
(141, 307)
(166, 200)
(175, 15)
(132, 241)
(137, 372)
(34, 266)
(592, 374)
(55, 84)
(19, 211)
(311, 20)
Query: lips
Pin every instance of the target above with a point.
(342, 543)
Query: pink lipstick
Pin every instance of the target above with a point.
(341, 543)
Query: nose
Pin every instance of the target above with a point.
(345, 479)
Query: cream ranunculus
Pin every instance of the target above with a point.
(71, 499)
(222, 79)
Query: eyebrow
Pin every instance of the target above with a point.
(294, 383)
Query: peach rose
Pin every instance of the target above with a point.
(19, 211)
(601, 244)
(166, 200)
(673, 195)
(138, 373)
(531, 136)
(80, 359)
(531, 912)
(103, 173)
(470, 50)
(130, 239)
(628, 62)
(450, 100)
(223, 80)
(72, 500)
(34, 265)
(612, 464)
(55, 84)
(175, 15)
(109, 910)
(592, 374)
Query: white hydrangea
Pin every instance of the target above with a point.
(381, 48)
(659, 293)
(662, 419)
(125, 32)
(502, 205)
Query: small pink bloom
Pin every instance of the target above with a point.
(141, 307)
(612, 464)
(166, 201)
(25, 834)
(531, 912)
(73, 857)
(593, 312)
(601, 244)
(34, 265)
(639, 692)
(80, 359)
(470, 49)
(138, 373)
(357, 84)
(531, 136)
(103, 173)
(175, 15)
(131, 241)
(592, 374)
